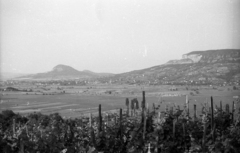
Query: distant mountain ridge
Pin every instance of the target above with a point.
(65, 72)
(211, 66)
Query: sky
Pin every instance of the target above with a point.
(112, 36)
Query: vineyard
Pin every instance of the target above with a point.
(136, 129)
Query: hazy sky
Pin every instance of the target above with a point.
(111, 35)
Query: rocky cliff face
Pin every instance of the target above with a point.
(195, 58)
(209, 56)
(181, 61)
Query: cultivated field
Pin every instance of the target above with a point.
(77, 101)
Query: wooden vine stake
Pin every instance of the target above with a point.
(204, 135)
(27, 130)
(227, 108)
(81, 121)
(134, 108)
(127, 104)
(174, 128)
(195, 112)
(120, 122)
(184, 136)
(144, 125)
(166, 108)
(107, 119)
(115, 120)
(171, 110)
(90, 120)
(144, 114)
(178, 107)
(91, 130)
(21, 147)
(93, 137)
(14, 127)
(203, 110)
(187, 104)
(149, 148)
(100, 119)
(156, 148)
(233, 111)
(220, 105)
(153, 108)
(238, 116)
(159, 117)
(143, 106)
(212, 119)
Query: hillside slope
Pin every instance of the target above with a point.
(198, 67)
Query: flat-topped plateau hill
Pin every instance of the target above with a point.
(199, 67)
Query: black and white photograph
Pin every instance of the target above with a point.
(120, 76)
